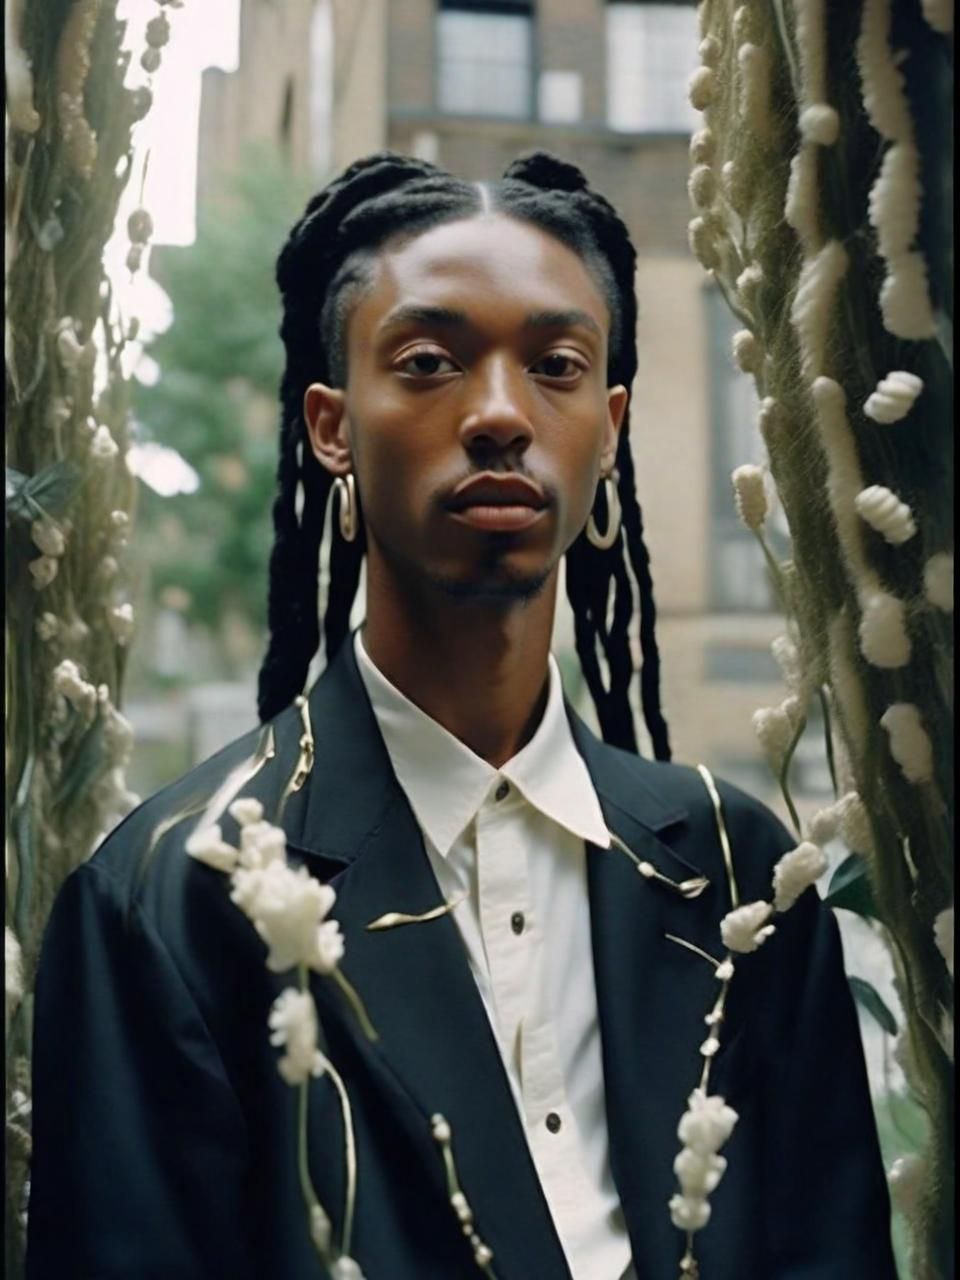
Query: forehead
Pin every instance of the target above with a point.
(487, 261)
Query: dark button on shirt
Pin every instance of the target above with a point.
(517, 922)
(553, 1122)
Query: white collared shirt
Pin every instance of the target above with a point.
(510, 842)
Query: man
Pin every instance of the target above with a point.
(459, 359)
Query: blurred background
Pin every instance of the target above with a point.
(260, 102)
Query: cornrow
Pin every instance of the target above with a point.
(326, 262)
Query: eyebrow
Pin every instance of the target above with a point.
(448, 318)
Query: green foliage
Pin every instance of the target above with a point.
(215, 400)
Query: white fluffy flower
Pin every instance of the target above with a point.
(824, 825)
(48, 537)
(48, 626)
(260, 842)
(774, 729)
(883, 85)
(745, 928)
(121, 622)
(747, 351)
(103, 447)
(750, 495)
(293, 1022)
(943, 936)
(68, 682)
(820, 124)
(796, 872)
(702, 235)
(854, 823)
(707, 1123)
(43, 570)
(117, 735)
(287, 908)
(905, 1181)
(749, 281)
(801, 205)
(689, 1213)
(883, 511)
(910, 743)
(246, 810)
(701, 186)
(894, 202)
(207, 845)
(787, 657)
(905, 299)
(754, 63)
(703, 146)
(938, 580)
(702, 87)
(698, 1173)
(893, 397)
(12, 973)
(724, 970)
(817, 285)
(884, 641)
(709, 51)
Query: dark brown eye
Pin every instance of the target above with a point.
(426, 364)
(559, 366)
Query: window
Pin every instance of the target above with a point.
(484, 59)
(651, 54)
(739, 579)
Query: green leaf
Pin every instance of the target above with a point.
(54, 487)
(850, 888)
(869, 998)
(87, 762)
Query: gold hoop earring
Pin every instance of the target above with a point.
(603, 541)
(346, 490)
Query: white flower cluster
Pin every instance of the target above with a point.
(884, 641)
(938, 580)
(750, 495)
(703, 1129)
(893, 397)
(79, 693)
(745, 928)
(288, 909)
(753, 61)
(747, 351)
(910, 743)
(121, 622)
(883, 511)
(776, 727)
(847, 817)
(48, 538)
(796, 871)
(817, 285)
(894, 204)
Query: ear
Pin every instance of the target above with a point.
(324, 410)
(617, 398)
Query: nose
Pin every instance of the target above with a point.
(496, 419)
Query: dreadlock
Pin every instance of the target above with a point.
(325, 264)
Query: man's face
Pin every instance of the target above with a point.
(476, 416)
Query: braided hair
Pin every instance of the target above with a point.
(326, 262)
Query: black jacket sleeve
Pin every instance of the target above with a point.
(140, 1150)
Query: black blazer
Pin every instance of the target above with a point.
(165, 1139)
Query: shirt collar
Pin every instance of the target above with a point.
(446, 783)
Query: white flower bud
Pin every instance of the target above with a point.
(820, 124)
(754, 63)
(43, 571)
(742, 24)
(689, 1213)
(801, 204)
(702, 87)
(938, 580)
(796, 872)
(47, 537)
(750, 495)
(747, 351)
(293, 1022)
(824, 825)
(737, 191)
(698, 1174)
(854, 823)
(703, 146)
(707, 1123)
(749, 281)
(440, 1128)
(910, 743)
(207, 845)
(905, 299)
(702, 236)
(246, 810)
(48, 626)
(121, 622)
(745, 928)
(884, 641)
(943, 936)
(709, 51)
(774, 729)
(894, 397)
(701, 186)
(724, 971)
(884, 512)
(103, 447)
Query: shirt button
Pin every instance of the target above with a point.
(502, 791)
(553, 1122)
(517, 922)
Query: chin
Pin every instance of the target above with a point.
(500, 587)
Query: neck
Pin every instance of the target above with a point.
(478, 669)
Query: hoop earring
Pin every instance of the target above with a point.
(346, 490)
(603, 541)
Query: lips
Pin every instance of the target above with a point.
(491, 490)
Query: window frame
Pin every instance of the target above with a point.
(490, 8)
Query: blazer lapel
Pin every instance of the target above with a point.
(652, 997)
(435, 1041)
